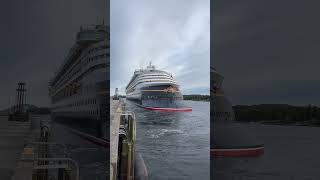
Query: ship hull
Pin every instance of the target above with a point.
(94, 123)
(159, 97)
(79, 89)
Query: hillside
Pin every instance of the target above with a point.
(30, 108)
(278, 112)
(196, 97)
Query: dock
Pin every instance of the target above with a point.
(27, 152)
(125, 162)
(115, 109)
(13, 136)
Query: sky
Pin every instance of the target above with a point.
(268, 50)
(173, 34)
(35, 37)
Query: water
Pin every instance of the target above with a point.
(174, 145)
(291, 153)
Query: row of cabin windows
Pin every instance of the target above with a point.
(161, 97)
(164, 80)
(103, 46)
(66, 92)
(86, 60)
(70, 91)
(159, 78)
(87, 101)
(72, 72)
(83, 102)
(101, 56)
(92, 50)
(90, 112)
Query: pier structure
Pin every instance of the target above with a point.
(19, 112)
(20, 97)
(30, 153)
(125, 162)
(116, 95)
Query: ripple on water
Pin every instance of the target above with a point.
(174, 145)
(157, 133)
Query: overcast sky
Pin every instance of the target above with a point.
(268, 50)
(35, 37)
(173, 34)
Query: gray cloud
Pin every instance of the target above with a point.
(174, 35)
(35, 37)
(268, 51)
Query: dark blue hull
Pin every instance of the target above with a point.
(164, 96)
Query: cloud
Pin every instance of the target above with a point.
(35, 38)
(268, 51)
(174, 35)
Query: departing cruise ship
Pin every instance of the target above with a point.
(80, 87)
(222, 107)
(155, 90)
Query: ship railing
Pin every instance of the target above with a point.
(128, 113)
(127, 145)
(46, 156)
(55, 149)
(67, 164)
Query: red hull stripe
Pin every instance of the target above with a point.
(169, 109)
(239, 152)
(165, 109)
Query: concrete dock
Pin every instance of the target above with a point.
(125, 161)
(115, 109)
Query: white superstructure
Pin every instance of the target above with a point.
(153, 88)
(79, 87)
(146, 78)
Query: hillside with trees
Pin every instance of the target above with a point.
(278, 114)
(196, 97)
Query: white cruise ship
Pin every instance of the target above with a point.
(80, 87)
(155, 90)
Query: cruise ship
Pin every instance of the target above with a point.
(155, 89)
(222, 107)
(228, 138)
(80, 87)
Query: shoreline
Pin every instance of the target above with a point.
(281, 123)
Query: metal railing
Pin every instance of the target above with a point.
(127, 140)
(67, 164)
(48, 158)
